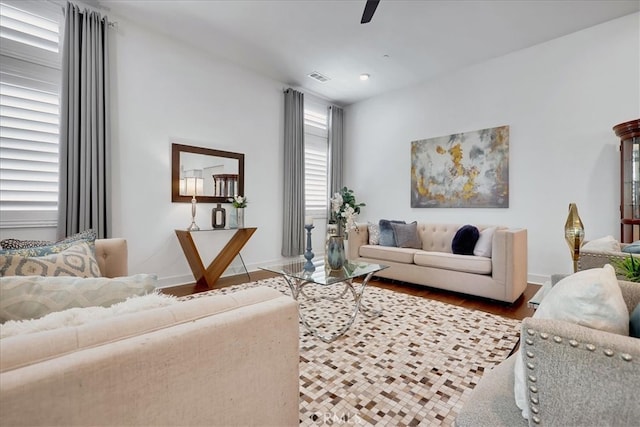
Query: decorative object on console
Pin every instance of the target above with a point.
(574, 233)
(464, 170)
(629, 134)
(239, 203)
(335, 252)
(308, 254)
(194, 186)
(345, 210)
(218, 217)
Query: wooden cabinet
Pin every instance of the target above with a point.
(629, 134)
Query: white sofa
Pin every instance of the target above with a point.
(501, 277)
(216, 360)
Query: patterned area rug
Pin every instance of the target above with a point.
(416, 364)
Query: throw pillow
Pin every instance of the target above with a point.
(76, 260)
(31, 297)
(374, 233)
(407, 235)
(632, 248)
(604, 244)
(485, 242)
(590, 298)
(634, 322)
(465, 240)
(78, 316)
(387, 236)
(37, 248)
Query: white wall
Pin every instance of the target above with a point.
(164, 90)
(560, 99)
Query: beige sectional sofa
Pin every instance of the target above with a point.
(503, 276)
(216, 360)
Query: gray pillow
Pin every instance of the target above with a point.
(387, 235)
(407, 235)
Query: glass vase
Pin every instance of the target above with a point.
(335, 252)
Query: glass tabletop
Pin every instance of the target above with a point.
(320, 274)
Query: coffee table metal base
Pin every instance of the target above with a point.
(298, 285)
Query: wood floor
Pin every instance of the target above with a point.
(517, 310)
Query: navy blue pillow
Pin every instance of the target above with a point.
(465, 240)
(387, 235)
(634, 322)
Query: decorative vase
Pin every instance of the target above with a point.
(218, 217)
(335, 252)
(240, 217)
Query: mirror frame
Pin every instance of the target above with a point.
(176, 149)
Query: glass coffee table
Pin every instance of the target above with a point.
(319, 285)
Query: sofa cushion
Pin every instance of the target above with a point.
(76, 260)
(374, 233)
(603, 244)
(402, 255)
(31, 297)
(387, 235)
(465, 240)
(407, 235)
(485, 242)
(463, 263)
(590, 298)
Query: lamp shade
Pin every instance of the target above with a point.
(574, 233)
(194, 186)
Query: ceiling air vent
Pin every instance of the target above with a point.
(319, 77)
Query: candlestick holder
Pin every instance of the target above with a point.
(308, 266)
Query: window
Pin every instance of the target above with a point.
(29, 113)
(316, 145)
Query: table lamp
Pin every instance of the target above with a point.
(193, 187)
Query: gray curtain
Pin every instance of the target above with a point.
(336, 153)
(85, 156)
(293, 218)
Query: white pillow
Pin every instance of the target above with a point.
(80, 316)
(30, 297)
(484, 243)
(603, 244)
(590, 298)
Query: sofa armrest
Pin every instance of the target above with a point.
(112, 257)
(357, 237)
(588, 259)
(509, 261)
(580, 376)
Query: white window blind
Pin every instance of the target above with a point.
(29, 113)
(315, 159)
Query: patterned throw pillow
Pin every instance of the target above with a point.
(31, 297)
(76, 260)
(38, 248)
(374, 233)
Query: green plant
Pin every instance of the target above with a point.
(628, 267)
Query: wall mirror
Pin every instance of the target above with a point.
(214, 175)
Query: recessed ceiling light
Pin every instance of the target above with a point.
(364, 77)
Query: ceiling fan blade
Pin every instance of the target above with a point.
(369, 9)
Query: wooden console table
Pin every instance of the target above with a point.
(210, 275)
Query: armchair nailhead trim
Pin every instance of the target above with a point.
(536, 419)
(626, 357)
(535, 409)
(529, 341)
(573, 343)
(591, 347)
(531, 332)
(533, 389)
(544, 335)
(530, 365)
(529, 355)
(534, 400)
(607, 352)
(533, 378)
(557, 339)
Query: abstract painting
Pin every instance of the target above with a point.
(463, 170)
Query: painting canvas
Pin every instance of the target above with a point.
(463, 170)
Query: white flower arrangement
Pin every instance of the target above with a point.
(239, 201)
(345, 209)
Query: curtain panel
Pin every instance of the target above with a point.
(336, 150)
(85, 152)
(294, 203)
